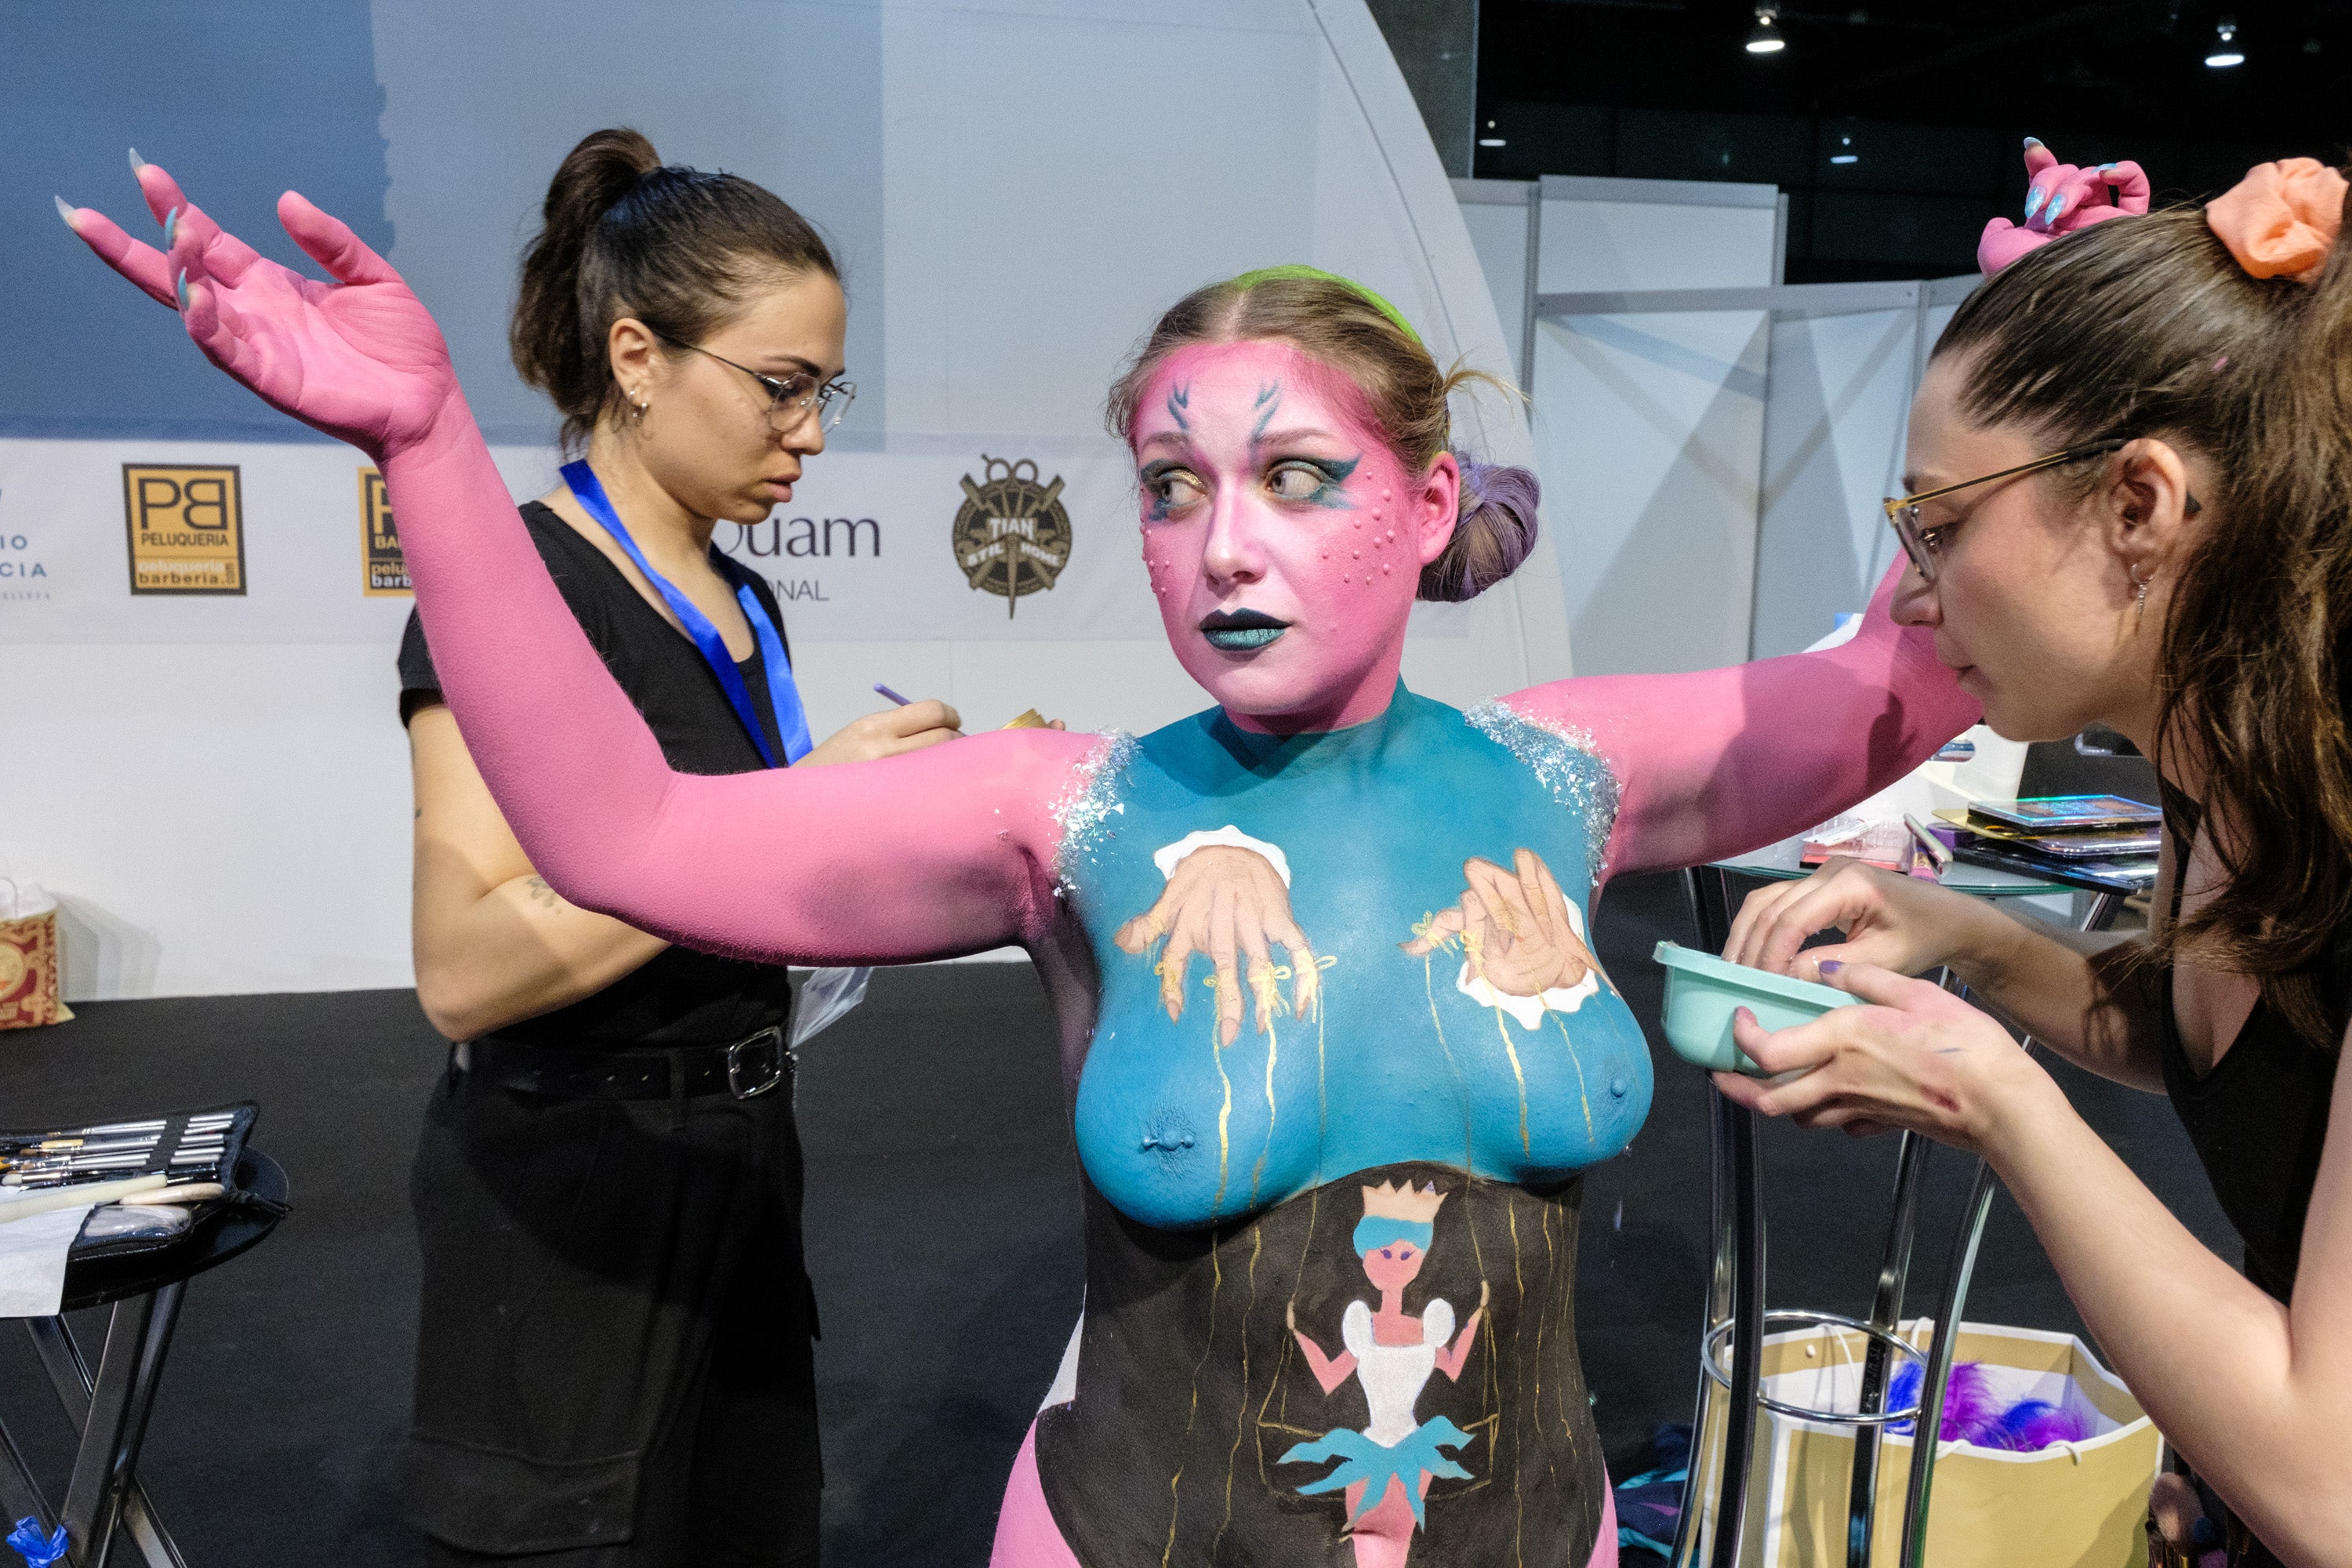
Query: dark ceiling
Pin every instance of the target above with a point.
(1923, 107)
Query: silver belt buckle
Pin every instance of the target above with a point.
(764, 1076)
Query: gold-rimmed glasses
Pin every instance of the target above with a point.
(791, 397)
(1922, 544)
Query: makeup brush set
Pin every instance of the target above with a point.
(159, 1178)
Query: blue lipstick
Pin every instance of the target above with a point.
(1240, 631)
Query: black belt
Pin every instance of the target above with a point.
(746, 1069)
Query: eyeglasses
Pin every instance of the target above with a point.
(1922, 545)
(790, 399)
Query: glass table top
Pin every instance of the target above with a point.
(1780, 862)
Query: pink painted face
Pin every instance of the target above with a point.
(1284, 539)
(1393, 1267)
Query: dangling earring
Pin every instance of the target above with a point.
(2139, 611)
(637, 409)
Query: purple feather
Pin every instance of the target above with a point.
(1970, 1412)
(2032, 1425)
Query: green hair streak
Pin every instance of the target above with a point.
(1295, 272)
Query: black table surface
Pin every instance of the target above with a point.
(97, 1282)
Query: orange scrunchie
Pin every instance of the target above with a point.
(2281, 218)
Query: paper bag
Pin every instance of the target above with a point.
(2077, 1504)
(29, 958)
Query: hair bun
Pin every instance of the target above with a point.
(1493, 529)
(597, 174)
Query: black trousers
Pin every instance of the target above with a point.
(613, 1362)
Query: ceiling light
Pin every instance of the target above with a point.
(1765, 39)
(1492, 141)
(1845, 152)
(2226, 52)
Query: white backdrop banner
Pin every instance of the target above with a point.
(177, 542)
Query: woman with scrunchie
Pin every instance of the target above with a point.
(1436, 1051)
(2136, 441)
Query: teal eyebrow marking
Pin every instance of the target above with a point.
(1269, 399)
(1179, 398)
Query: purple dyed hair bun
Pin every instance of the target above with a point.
(1494, 530)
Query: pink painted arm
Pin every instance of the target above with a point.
(1329, 1371)
(1720, 762)
(942, 851)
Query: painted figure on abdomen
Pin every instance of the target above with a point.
(1433, 1024)
(1386, 1468)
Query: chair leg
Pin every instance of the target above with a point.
(138, 1336)
(18, 1495)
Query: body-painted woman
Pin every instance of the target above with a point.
(1435, 1035)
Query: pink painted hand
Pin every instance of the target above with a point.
(359, 358)
(1230, 903)
(2060, 199)
(1513, 926)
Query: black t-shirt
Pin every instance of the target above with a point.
(681, 997)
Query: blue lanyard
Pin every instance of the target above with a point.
(791, 724)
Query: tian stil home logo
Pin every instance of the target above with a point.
(1012, 534)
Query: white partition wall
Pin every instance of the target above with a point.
(1649, 427)
(1844, 362)
(1503, 218)
(216, 787)
(1713, 447)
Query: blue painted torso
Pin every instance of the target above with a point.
(1402, 1063)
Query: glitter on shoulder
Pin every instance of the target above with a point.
(1565, 760)
(1085, 809)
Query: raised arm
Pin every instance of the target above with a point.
(1722, 761)
(942, 851)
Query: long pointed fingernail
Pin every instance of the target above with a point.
(2033, 200)
(181, 289)
(2034, 141)
(171, 226)
(2057, 206)
(66, 210)
(137, 163)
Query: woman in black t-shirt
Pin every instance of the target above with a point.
(2136, 446)
(613, 1367)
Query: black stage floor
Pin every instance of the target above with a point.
(943, 1238)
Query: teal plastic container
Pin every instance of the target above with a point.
(1703, 990)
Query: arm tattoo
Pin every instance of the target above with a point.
(541, 894)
